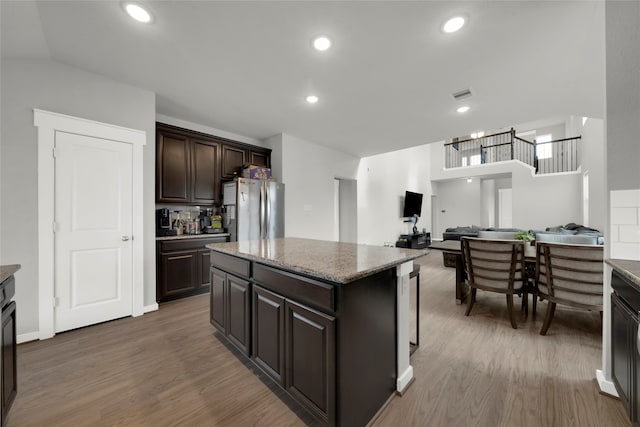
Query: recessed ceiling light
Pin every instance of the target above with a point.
(312, 99)
(477, 134)
(463, 109)
(322, 43)
(137, 12)
(469, 180)
(453, 24)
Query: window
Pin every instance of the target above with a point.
(543, 151)
(474, 160)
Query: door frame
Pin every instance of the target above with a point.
(48, 123)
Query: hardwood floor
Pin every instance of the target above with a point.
(169, 368)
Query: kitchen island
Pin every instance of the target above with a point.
(327, 321)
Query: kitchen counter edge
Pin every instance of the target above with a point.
(7, 271)
(627, 268)
(316, 274)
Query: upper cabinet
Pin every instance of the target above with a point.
(190, 166)
(233, 158)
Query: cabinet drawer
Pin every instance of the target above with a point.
(295, 287)
(231, 264)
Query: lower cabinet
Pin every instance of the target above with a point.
(268, 332)
(230, 302)
(310, 359)
(294, 344)
(9, 365)
(183, 267)
(625, 355)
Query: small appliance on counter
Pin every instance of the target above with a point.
(163, 223)
(210, 223)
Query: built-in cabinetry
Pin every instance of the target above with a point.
(8, 362)
(287, 324)
(183, 266)
(190, 166)
(625, 346)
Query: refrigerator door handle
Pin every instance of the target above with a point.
(262, 211)
(267, 218)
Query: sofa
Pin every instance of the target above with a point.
(456, 233)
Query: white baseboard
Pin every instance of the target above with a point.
(605, 385)
(404, 380)
(29, 336)
(151, 307)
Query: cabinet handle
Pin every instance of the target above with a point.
(179, 257)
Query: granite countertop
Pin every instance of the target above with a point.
(332, 261)
(192, 236)
(627, 268)
(7, 270)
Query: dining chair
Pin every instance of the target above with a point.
(494, 266)
(569, 275)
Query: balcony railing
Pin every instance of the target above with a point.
(546, 157)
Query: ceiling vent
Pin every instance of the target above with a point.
(462, 94)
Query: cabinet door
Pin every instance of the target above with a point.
(179, 272)
(268, 332)
(204, 172)
(218, 295)
(310, 359)
(259, 158)
(9, 366)
(622, 327)
(172, 168)
(238, 312)
(233, 159)
(204, 264)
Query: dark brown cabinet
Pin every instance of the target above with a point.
(187, 167)
(190, 165)
(230, 302)
(205, 184)
(310, 359)
(260, 158)
(625, 356)
(268, 333)
(9, 366)
(173, 154)
(183, 267)
(233, 158)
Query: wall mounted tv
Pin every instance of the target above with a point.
(412, 204)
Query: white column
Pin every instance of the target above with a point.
(404, 369)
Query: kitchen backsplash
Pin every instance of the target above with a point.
(625, 224)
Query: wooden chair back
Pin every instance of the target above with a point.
(494, 265)
(570, 274)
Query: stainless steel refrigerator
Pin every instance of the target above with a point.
(254, 209)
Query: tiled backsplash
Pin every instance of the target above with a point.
(625, 224)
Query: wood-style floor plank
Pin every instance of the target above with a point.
(169, 368)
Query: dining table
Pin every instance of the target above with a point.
(454, 248)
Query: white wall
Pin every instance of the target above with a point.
(543, 201)
(47, 85)
(488, 203)
(382, 182)
(593, 163)
(308, 172)
(347, 210)
(459, 203)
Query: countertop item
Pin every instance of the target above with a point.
(333, 261)
(193, 236)
(7, 270)
(627, 268)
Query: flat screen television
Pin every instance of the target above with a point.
(412, 204)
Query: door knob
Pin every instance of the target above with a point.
(125, 238)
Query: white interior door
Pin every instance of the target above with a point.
(505, 211)
(93, 225)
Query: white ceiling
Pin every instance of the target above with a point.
(386, 84)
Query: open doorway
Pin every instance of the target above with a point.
(346, 212)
